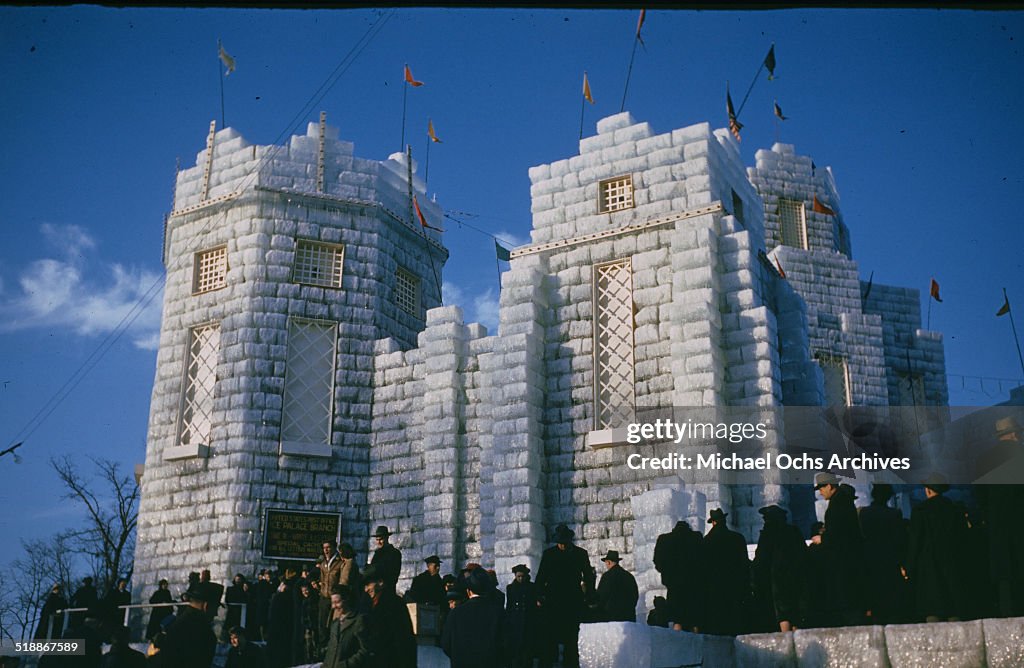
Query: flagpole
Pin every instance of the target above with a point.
(583, 107)
(412, 219)
(405, 94)
(929, 325)
(752, 84)
(426, 166)
(629, 73)
(220, 71)
(1013, 326)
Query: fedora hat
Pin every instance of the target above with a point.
(564, 534)
(936, 482)
(824, 478)
(432, 559)
(380, 532)
(717, 515)
(613, 555)
(521, 568)
(1007, 425)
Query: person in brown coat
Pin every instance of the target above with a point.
(329, 564)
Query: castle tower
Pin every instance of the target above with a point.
(285, 264)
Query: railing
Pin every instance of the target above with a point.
(65, 614)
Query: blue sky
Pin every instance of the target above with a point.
(917, 112)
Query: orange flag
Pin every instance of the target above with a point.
(408, 78)
(821, 208)
(779, 266)
(934, 291)
(430, 131)
(423, 220)
(586, 90)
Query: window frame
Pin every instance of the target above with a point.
(606, 187)
(338, 265)
(197, 269)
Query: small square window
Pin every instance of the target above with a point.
(210, 270)
(407, 291)
(318, 263)
(615, 194)
(792, 224)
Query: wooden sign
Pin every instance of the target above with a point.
(298, 534)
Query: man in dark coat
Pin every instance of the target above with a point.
(112, 602)
(387, 558)
(349, 643)
(260, 609)
(473, 635)
(843, 550)
(235, 596)
(777, 572)
(48, 615)
(189, 641)
(885, 551)
(328, 565)
(678, 556)
(564, 580)
(617, 592)
(159, 614)
(390, 626)
(938, 533)
(243, 653)
(281, 626)
(85, 596)
(522, 618)
(427, 587)
(727, 571)
(216, 589)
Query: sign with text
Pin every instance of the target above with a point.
(297, 534)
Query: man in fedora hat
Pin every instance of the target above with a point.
(427, 587)
(617, 592)
(843, 553)
(390, 626)
(677, 556)
(522, 618)
(565, 580)
(885, 551)
(777, 572)
(473, 634)
(189, 642)
(935, 555)
(387, 558)
(728, 574)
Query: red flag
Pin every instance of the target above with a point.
(734, 125)
(779, 266)
(419, 214)
(640, 24)
(818, 207)
(934, 291)
(408, 78)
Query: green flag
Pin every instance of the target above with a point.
(502, 252)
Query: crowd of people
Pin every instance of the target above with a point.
(864, 565)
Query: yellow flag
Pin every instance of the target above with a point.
(586, 90)
(430, 131)
(225, 58)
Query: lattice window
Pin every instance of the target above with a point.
(911, 389)
(199, 382)
(407, 291)
(318, 263)
(210, 270)
(309, 382)
(837, 378)
(615, 194)
(792, 223)
(613, 344)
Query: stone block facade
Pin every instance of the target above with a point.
(660, 274)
